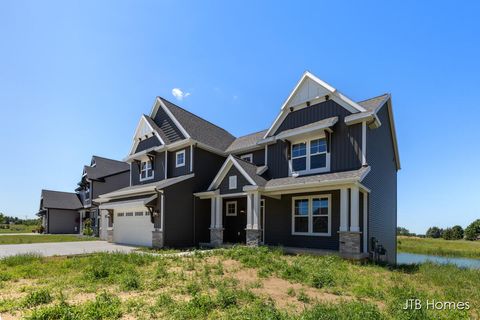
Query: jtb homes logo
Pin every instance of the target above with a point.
(417, 304)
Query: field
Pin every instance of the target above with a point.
(17, 228)
(439, 247)
(236, 283)
(41, 238)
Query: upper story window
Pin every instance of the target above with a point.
(180, 158)
(311, 215)
(232, 182)
(247, 157)
(87, 192)
(310, 156)
(146, 170)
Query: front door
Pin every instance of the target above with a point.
(234, 220)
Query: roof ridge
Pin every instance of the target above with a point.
(196, 116)
(244, 161)
(49, 190)
(105, 158)
(250, 134)
(380, 95)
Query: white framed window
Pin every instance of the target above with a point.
(87, 192)
(231, 207)
(232, 182)
(247, 157)
(311, 215)
(310, 156)
(180, 158)
(146, 170)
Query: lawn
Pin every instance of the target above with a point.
(17, 228)
(41, 238)
(236, 283)
(439, 247)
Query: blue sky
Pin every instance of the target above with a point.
(75, 78)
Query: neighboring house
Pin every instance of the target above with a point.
(59, 212)
(323, 176)
(101, 176)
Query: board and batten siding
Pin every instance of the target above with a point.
(147, 144)
(166, 124)
(258, 156)
(173, 171)
(158, 168)
(241, 182)
(382, 180)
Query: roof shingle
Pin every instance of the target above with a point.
(60, 200)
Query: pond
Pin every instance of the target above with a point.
(410, 258)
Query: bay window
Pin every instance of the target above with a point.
(311, 215)
(310, 156)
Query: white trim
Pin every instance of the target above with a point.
(182, 164)
(136, 136)
(159, 102)
(309, 130)
(365, 222)
(266, 155)
(343, 209)
(354, 209)
(249, 210)
(364, 143)
(218, 213)
(166, 165)
(232, 182)
(308, 156)
(310, 215)
(248, 155)
(147, 177)
(224, 170)
(191, 158)
(213, 209)
(128, 204)
(226, 209)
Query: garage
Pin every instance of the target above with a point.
(133, 226)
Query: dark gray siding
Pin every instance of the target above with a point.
(61, 221)
(241, 181)
(206, 166)
(148, 143)
(110, 183)
(158, 167)
(382, 180)
(258, 156)
(173, 171)
(168, 126)
(235, 225)
(345, 144)
(278, 224)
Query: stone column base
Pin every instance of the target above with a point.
(157, 239)
(349, 242)
(110, 235)
(253, 237)
(216, 236)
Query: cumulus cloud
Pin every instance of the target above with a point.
(179, 94)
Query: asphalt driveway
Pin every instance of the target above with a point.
(62, 248)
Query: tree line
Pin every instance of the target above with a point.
(472, 232)
(4, 219)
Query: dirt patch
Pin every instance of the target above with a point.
(7, 316)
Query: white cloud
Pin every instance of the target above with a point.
(179, 94)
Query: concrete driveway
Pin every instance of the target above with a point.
(62, 248)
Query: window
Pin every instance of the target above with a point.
(311, 215)
(146, 170)
(232, 182)
(231, 208)
(180, 159)
(247, 157)
(129, 214)
(87, 193)
(310, 156)
(138, 214)
(120, 214)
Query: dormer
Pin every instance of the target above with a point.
(146, 136)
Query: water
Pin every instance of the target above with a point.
(410, 258)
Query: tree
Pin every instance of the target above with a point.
(457, 232)
(434, 232)
(472, 232)
(447, 234)
(2, 218)
(403, 231)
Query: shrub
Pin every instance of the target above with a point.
(36, 298)
(130, 281)
(457, 232)
(472, 232)
(447, 234)
(87, 227)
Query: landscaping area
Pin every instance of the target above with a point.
(236, 283)
(439, 247)
(41, 238)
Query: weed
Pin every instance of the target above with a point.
(303, 297)
(36, 298)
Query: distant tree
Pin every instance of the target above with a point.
(434, 232)
(447, 234)
(2, 218)
(403, 231)
(472, 232)
(457, 232)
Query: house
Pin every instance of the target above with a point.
(101, 176)
(322, 176)
(59, 212)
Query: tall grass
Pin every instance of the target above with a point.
(439, 247)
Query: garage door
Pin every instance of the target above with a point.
(132, 226)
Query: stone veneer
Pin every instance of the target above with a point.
(216, 236)
(157, 239)
(253, 237)
(110, 235)
(350, 242)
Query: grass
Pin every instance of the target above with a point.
(40, 238)
(236, 283)
(439, 247)
(18, 228)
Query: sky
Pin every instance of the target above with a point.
(75, 78)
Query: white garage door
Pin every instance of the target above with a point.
(132, 226)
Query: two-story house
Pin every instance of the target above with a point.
(101, 176)
(322, 176)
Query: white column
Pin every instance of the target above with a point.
(365, 222)
(162, 211)
(218, 210)
(344, 209)
(191, 158)
(266, 154)
(354, 214)
(249, 210)
(364, 143)
(256, 211)
(212, 212)
(166, 164)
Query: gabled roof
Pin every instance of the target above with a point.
(192, 126)
(60, 200)
(105, 167)
(247, 169)
(146, 128)
(246, 142)
(373, 104)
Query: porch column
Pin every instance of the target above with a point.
(256, 211)
(253, 231)
(216, 226)
(365, 222)
(354, 209)
(218, 212)
(212, 212)
(249, 210)
(157, 233)
(343, 209)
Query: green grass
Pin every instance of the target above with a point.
(439, 247)
(40, 238)
(236, 283)
(18, 228)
